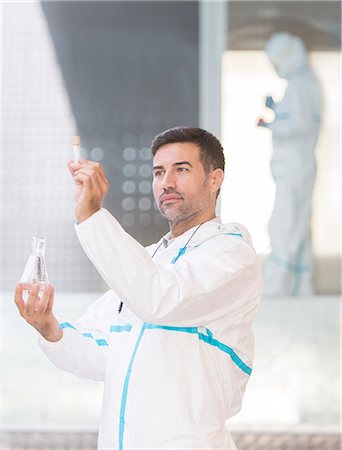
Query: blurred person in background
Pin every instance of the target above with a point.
(172, 339)
(295, 130)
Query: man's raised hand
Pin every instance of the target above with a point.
(91, 187)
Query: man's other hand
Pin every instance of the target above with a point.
(37, 311)
(91, 187)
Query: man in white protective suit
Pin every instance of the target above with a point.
(172, 338)
(295, 129)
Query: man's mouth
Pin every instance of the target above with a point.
(170, 198)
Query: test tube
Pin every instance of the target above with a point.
(76, 149)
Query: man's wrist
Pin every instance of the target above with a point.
(85, 216)
(52, 336)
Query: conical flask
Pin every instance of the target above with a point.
(35, 269)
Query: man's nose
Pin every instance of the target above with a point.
(168, 180)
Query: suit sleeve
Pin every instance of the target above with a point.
(207, 283)
(83, 349)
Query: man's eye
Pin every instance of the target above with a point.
(182, 169)
(157, 173)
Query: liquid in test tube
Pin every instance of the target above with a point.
(76, 149)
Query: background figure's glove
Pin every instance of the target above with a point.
(269, 102)
(262, 123)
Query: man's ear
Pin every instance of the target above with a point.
(217, 176)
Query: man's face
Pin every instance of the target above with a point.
(180, 184)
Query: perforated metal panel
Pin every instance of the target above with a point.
(131, 71)
(116, 72)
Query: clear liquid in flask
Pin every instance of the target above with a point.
(35, 269)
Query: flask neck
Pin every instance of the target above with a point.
(38, 246)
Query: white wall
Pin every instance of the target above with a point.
(248, 191)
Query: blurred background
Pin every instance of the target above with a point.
(117, 73)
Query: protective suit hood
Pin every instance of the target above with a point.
(287, 52)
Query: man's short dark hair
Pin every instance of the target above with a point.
(211, 151)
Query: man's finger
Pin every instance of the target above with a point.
(18, 299)
(92, 181)
(72, 166)
(101, 173)
(94, 176)
(97, 174)
(31, 299)
(86, 184)
(94, 170)
(51, 299)
(41, 304)
(99, 168)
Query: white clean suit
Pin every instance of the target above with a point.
(295, 131)
(175, 361)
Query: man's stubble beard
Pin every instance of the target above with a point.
(186, 212)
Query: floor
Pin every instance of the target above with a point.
(58, 440)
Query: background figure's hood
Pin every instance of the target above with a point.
(287, 52)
